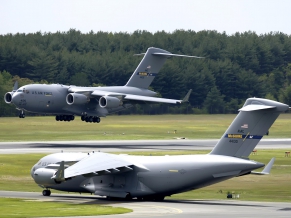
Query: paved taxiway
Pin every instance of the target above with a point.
(126, 145)
(171, 208)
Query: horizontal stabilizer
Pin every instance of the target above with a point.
(267, 168)
(255, 107)
(174, 55)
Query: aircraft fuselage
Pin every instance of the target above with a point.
(164, 175)
(51, 99)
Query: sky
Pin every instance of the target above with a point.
(230, 16)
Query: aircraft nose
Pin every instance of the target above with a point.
(32, 172)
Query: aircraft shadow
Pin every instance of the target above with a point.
(101, 200)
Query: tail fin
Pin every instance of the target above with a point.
(150, 66)
(250, 125)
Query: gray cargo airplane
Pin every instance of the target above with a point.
(91, 103)
(154, 177)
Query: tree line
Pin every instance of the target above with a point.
(235, 66)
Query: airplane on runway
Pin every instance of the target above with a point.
(91, 103)
(154, 177)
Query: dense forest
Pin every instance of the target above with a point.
(235, 66)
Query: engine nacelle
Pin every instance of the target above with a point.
(109, 102)
(43, 176)
(8, 97)
(74, 98)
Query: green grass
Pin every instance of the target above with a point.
(15, 176)
(127, 128)
(13, 208)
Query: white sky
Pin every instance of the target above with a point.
(29, 16)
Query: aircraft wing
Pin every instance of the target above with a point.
(142, 98)
(98, 163)
(130, 96)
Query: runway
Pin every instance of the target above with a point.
(171, 208)
(126, 145)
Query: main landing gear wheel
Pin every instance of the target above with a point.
(90, 119)
(21, 115)
(46, 192)
(65, 117)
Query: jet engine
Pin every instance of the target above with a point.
(74, 98)
(109, 102)
(8, 97)
(43, 176)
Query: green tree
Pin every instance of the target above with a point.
(214, 102)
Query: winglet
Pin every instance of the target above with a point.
(60, 175)
(267, 168)
(186, 98)
(15, 87)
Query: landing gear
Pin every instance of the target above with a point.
(22, 114)
(153, 198)
(65, 118)
(128, 197)
(46, 192)
(90, 119)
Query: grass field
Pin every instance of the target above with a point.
(19, 208)
(15, 175)
(128, 128)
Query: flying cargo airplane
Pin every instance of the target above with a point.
(154, 177)
(91, 103)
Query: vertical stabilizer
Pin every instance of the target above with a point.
(150, 66)
(250, 125)
(147, 69)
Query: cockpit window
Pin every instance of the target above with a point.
(19, 90)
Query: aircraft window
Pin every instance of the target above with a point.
(19, 90)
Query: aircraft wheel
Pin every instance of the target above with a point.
(83, 118)
(98, 120)
(72, 117)
(90, 119)
(46, 192)
(23, 115)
